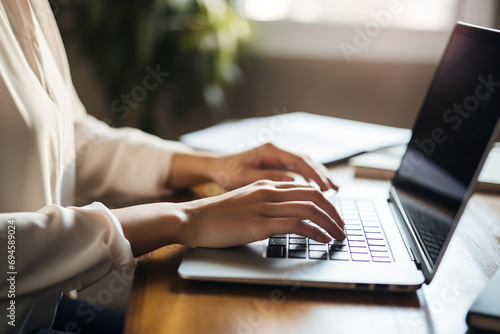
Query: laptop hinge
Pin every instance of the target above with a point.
(414, 258)
(406, 233)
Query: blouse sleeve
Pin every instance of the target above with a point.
(59, 249)
(120, 164)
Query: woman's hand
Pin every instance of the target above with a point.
(258, 211)
(267, 162)
(241, 216)
(236, 170)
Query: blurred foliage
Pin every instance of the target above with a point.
(197, 42)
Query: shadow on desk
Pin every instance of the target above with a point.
(283, 293)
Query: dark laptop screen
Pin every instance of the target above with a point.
(450, 135)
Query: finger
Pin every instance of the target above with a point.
(297, 226)
(273, 175)
(327, 175)
(333, 185)
(292, 185)
(284, 184)
(305, 167)
(291, 191)
(305, 210)
(294, 191)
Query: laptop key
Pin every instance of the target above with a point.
(317, 255)
(297, 254)
(370, 223)
(338, 248)
(361, 257)
(355, 238)
(376, 236)
(339, 256)
(368, 209)
(372, 229)
(362, 250)
(354, 229)
(314, 242)
(297, 241)
(317, 247)
(378, 249)
(293, 247)
(357, 243)
(368, 216)
(375, 242)
(338, 242)
(276, 251)
(351, 221)
(381, 254)
(381, 259)
(277, 241)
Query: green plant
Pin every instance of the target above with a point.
(197, 42)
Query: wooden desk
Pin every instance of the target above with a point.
(162, 302)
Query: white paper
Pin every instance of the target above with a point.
(489, 173)
(324, 139)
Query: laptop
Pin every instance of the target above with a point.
(396, 242)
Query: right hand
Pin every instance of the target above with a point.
(258, 211)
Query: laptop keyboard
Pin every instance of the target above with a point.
(430, 229)
(365, 240)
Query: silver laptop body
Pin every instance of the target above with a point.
(451, 138)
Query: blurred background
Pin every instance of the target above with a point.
(368, 60)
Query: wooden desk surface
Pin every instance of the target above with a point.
(162, 302)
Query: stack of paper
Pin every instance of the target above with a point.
(322, 138)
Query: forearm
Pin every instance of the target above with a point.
(151, 226)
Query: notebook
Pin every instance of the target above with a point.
(383, 163)
(394, 242)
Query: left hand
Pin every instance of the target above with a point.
(231, 171)
(267, 162)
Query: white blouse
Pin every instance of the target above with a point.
(53, 152)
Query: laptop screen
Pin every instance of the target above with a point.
(450, 135)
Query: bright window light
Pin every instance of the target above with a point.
(267, 10)
(430, 15)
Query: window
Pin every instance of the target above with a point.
(394, 30)
(404, 14)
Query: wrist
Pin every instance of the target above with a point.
(189, 225)
(190, 169)
(151, 226)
